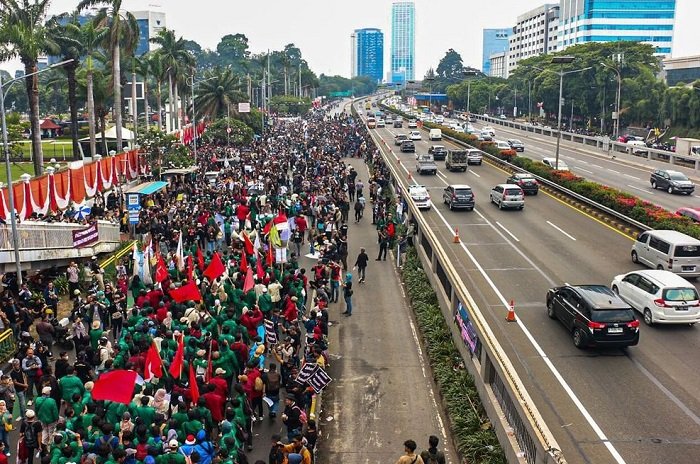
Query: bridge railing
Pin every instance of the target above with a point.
(44, 235)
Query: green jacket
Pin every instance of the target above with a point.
(70, 385)
(46, 409)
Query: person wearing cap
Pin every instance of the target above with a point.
(172, 455)
(31, 433)
(46, 411)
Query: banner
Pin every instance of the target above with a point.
(466, 328)
(85, 237)
(313, 375)
(270, 334)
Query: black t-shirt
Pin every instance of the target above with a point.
(18, 376)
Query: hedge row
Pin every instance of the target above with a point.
(625, 203)
(474, 436)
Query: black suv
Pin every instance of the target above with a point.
(526, 182)
(438, 151)
(459, 196)
(408, 146)
(671, 181)
(594, 315)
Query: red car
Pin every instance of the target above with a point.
(692, 213)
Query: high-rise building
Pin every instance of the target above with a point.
(368, 53)
(353, 54)
(403, 46)
(534, 34)
(495, 41)
(609, 21)
(498, 65)
(150, 23)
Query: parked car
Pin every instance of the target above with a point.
(692, 213)
(459, 196)
(671, 181)
(516, 144)
(474, 156)
(661, 296)
(419, 195)
(508, 196)
(525, 181)
(399, 139)
(552, 163)
(414, 135)
(594, 315)
(438, 151)
(407, 146)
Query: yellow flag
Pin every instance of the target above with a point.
(274, 237)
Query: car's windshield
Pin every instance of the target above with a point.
(677, 176)
(680, 294)
(462, 192)
(612, 315)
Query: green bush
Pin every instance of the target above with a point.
(475, 438)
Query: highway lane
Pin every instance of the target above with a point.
(626, 172)
(526, 260)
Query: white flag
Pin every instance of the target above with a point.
(179, 257)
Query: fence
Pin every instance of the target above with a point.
(8, 348)
(42, 235)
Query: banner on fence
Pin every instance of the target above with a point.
(85, 237)
(466, 328)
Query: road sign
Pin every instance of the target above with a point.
(244, 107)
(134, 216)
(132, 202)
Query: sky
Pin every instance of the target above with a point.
(322, 28)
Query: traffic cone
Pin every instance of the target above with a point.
(511, 312)
(456, 237)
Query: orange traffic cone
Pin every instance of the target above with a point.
(456, 237)
(511, 312)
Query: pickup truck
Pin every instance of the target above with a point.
(426, 165)
(456, 160)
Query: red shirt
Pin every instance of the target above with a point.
(215, 403)
(301, 223)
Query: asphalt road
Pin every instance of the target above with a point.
(639, 405)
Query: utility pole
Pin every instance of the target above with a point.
(299, 80)
(529, 101)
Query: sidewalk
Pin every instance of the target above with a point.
(382, 393)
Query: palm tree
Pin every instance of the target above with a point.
(123, 33)
(155, 64)
(142, 67)
(23, 34)
(177, 61)
(218, 93)
(67, 36)
(91, 36)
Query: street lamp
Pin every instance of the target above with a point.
(466, 73)
(8, 169)
(192, 83)
(430, 93)
(616, 130)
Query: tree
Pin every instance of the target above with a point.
(157, 68)
(123, 33)
(233, 51)
(217, 92)
(142, 67)
(23, 34)
(449, 70)
(289, 105)
(91, 36)
(164, 150)
(178, 62)
(217, 133)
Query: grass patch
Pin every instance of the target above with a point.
(17, 170)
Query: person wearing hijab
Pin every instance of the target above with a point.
(160, 401)
(6, 423)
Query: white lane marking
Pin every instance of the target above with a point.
(442, 175)
(612, 170)
(507, 231)
(641, 189)
(631, 176)
(596, 166)
(471, 171)
(582, 161)
(578, 168)
(577, 402)
(562, 231)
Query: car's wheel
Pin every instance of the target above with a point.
(550, 310)
(451, 206)
(653, 184)
(579, 338)
(670, 189)
(535, 192)
(616, 290)
(521, 207)
(491, 198)
(648, 317)
(660, 267)
(635, 258)
(500, 204)
(444, 200)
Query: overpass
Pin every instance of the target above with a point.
(43, 245)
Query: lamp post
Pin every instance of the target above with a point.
(192, 83)
(466, 73)
(616, 128)
(430, 93)
(8, 168)
(562, 60)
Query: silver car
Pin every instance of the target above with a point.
(508, 196)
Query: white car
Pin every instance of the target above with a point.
(661, 296)
(414, 135)
(420, 196)
(439, 119)
(552, 163)
(455, 126)
(381, 123)
(490, 130)
(412, 124)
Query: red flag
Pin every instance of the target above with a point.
(117, 386)
(187, 292)
(249, 283)
(259, 268)
(247, 244)
(194, 389)
(153, 366)
(200, 259)
(270, 256)
(161, 270)
(216, 268)
(244, 262)
(178, 360)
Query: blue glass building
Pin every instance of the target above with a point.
(403, 46)
(368, 53)
(495, 41)
(649, 21)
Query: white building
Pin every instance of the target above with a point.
(499, 65)
(535, 33)
(150, 23)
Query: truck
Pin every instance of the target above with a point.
(456, 160)
(426, 165)
(687, 146)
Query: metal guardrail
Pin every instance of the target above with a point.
(8, 348)
(536, 442)
(43, 235)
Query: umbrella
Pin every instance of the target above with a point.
(81, 212)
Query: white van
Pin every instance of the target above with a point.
(435, 134)
(637, 147)
(668, 250)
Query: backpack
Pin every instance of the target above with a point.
(303, 418)
(434, 458)
(259, 385)
(97, 357)
(30, 435)
(273, 381)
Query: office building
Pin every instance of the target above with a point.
(498, 65)
(495, 41)
(403, 46)
(584, 21)
(535, 33)
(681, 70)
(368, 53)
(150, 23)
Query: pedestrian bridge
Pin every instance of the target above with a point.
(43, 244)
